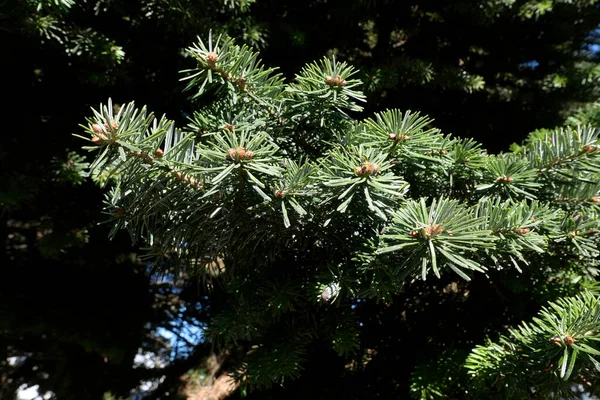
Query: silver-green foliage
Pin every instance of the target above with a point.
(282, 183)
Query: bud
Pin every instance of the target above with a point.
(414, 234)
(595, 199)
(112, 127)
(231, 154)
(343, 83)
(522, 231)
(329, 79)
(240, 152)
(504, 179)
(589, 149)
(392, 136)
(433, 230)
(159, 153)
(279, 194)
(367, 169)
(569, 340)
(556, 340)
(101, 135)
(248, 155)
(98, 129)
(212, 57)
(229, 127)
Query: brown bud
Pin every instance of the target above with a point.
(113, 126)
(556, 340)
(433, 230)
(367, 169)
(522, 231)
(279, 194)
(329, 79)
(118, 212)
(231, 154)
(569, 340)
(240, 152)
(343, 83)
(159, 153)
(589, 148)
(101, 135)
(98, 129)
(337, 80)
(595, 199)
(400, 136)
(504, 179)
(443, 152)
(229, 127)
(248, 155)
(414, 234)
(212, 57)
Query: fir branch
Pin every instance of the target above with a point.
(557, 349)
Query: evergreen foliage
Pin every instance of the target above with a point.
(493, 72)
(312, 210)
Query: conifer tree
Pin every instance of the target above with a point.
(282, 195)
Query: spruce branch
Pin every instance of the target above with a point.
(222, 63)
(361, 171)
(278, 182)
(516, 226)
(564, 150)
(327, 81)
(444, 229)
(544, 357)
(509, 176)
